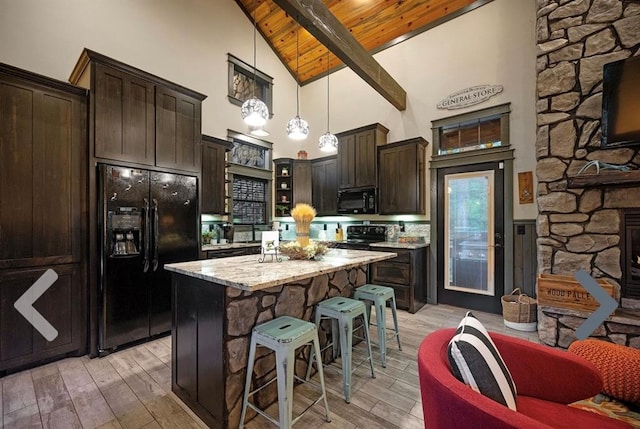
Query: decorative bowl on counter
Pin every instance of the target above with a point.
(314, 250)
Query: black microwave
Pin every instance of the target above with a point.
(360, 201)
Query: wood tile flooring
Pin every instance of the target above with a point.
(132, 388)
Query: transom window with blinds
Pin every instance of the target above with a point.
(475, 134)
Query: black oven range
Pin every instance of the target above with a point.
(359, 237)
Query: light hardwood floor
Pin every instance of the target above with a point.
(132, 388)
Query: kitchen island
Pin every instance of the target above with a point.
(217, 302)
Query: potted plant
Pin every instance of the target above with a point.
(281, 209)
(206, 237)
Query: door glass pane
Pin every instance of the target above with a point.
(469, 230)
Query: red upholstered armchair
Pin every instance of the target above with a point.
(546, 380)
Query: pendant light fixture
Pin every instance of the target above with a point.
(328, 142)
(258, 131)
(297, 128)
(254, 112)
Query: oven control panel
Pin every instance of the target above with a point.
(369, 233)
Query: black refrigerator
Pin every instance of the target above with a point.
(147, 219)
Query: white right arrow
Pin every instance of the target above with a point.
(24, 304)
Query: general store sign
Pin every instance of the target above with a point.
(469, 96)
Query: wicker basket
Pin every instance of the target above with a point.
(519, 311)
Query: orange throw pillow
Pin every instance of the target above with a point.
(618, 365)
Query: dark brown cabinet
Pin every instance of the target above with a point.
(214, 163)
(140, 118)
(401, 180)
(407, 274)
(124, 116)
(61, 305)
(43, 224)
(198, 359)
(178, 134)
(357, 156)
(324, 185)
(301, 182)
(346, 161)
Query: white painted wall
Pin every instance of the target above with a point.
(184, 41)
(494, 44)
(187, 42)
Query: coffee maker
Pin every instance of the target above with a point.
(124, 231)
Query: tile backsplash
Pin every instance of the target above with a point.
(317, 231)
(245, 233)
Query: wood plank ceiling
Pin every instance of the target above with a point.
(376, 24)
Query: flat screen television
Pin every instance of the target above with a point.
(621, 103)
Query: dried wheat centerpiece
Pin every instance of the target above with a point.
(303, 214)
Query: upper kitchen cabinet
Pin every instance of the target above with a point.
(302, 181)
(214, 167)
(124, 106)
(178, 134)
(140, 118)
(401, 184)
(357, 156)
(43, 163)
(324, 185)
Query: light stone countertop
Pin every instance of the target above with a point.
(246, 273)
(239, 245)
(396, 245)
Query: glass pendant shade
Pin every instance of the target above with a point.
(297, 128)
(258, 131)
(328, 142)
(254, 112)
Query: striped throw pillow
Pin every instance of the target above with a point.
(476, 362)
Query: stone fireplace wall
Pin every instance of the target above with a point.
(579, 228)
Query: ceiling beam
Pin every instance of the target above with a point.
(324, 26)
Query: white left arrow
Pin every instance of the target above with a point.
(24, 304)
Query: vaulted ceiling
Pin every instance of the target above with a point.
(375, 24)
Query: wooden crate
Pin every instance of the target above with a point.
(565, 292)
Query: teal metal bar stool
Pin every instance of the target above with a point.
(379, 295)
(342, 312)
(283, 335)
